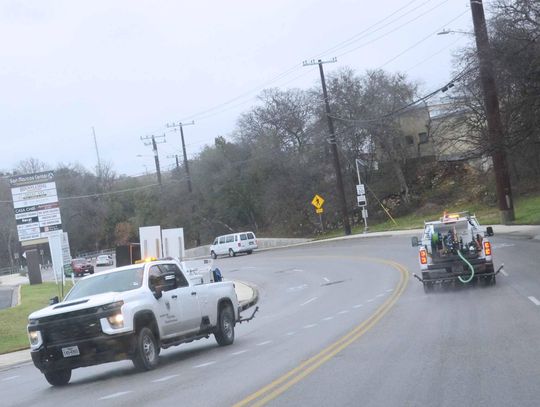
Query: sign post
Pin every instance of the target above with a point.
(361, 195)
(318, 202)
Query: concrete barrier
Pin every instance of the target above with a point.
(263, 243)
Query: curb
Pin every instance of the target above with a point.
(244, 305)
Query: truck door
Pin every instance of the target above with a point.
(189, 310)
(168, 310)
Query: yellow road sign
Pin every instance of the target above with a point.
(319, 210)
(317, 201)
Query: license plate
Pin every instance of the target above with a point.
(70, 351)
(251, 243)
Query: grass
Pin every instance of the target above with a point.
(13, 321)
(527, 211)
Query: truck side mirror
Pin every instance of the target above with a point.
(414, 241)
(54, 300)
(158, 293)
(489, 231)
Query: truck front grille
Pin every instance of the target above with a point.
(71, 329)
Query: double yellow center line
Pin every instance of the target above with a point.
(284, 382)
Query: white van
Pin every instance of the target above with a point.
(243, 242)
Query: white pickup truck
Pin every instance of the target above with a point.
(455, 248)
(130, 313)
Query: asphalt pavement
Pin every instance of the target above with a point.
(341, 323)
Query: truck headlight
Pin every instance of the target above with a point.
(35, 338)
(116, 321)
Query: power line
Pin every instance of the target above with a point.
(393, 30)
(422, 40)
(364, 33)
(444, 88)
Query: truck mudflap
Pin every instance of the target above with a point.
(452, 276)
(241, 319)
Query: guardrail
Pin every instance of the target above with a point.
(9, 270)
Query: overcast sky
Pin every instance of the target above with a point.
(130, 67)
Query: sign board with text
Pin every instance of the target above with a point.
(361, 199)
(35, 201)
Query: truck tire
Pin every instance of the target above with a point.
(428, 286)
(213, 254)
(231, 253)
(146, 355)
(58, 377)
(225, 330)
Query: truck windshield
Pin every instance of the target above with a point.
(117, 281)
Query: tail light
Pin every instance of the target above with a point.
(423, 256)
(487, 248)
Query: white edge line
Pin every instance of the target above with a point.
(534, 300)
(9, 378)
(163, 379)
(204, 364)
(111, 396)
(308, 301)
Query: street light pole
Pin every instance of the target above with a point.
(493, 115)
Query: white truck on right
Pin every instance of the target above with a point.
(455, 248)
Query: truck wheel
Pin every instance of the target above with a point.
(58, 377)
(146, 350)
(249, 251)
(231, 253)
(213, 255)
(428, 286)
(225, 332)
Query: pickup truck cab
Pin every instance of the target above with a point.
(130, 312)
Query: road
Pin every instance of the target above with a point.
(341, 324)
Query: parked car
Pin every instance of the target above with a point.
(81, 266)
(104, 260)
(243, 242)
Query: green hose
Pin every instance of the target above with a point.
(470, 266)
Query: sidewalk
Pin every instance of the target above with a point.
(247, 296)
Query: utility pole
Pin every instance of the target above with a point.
(97, 153)
(154, 144)
(333, 143)
(175, 156)
(493, 115)
(181, 125)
